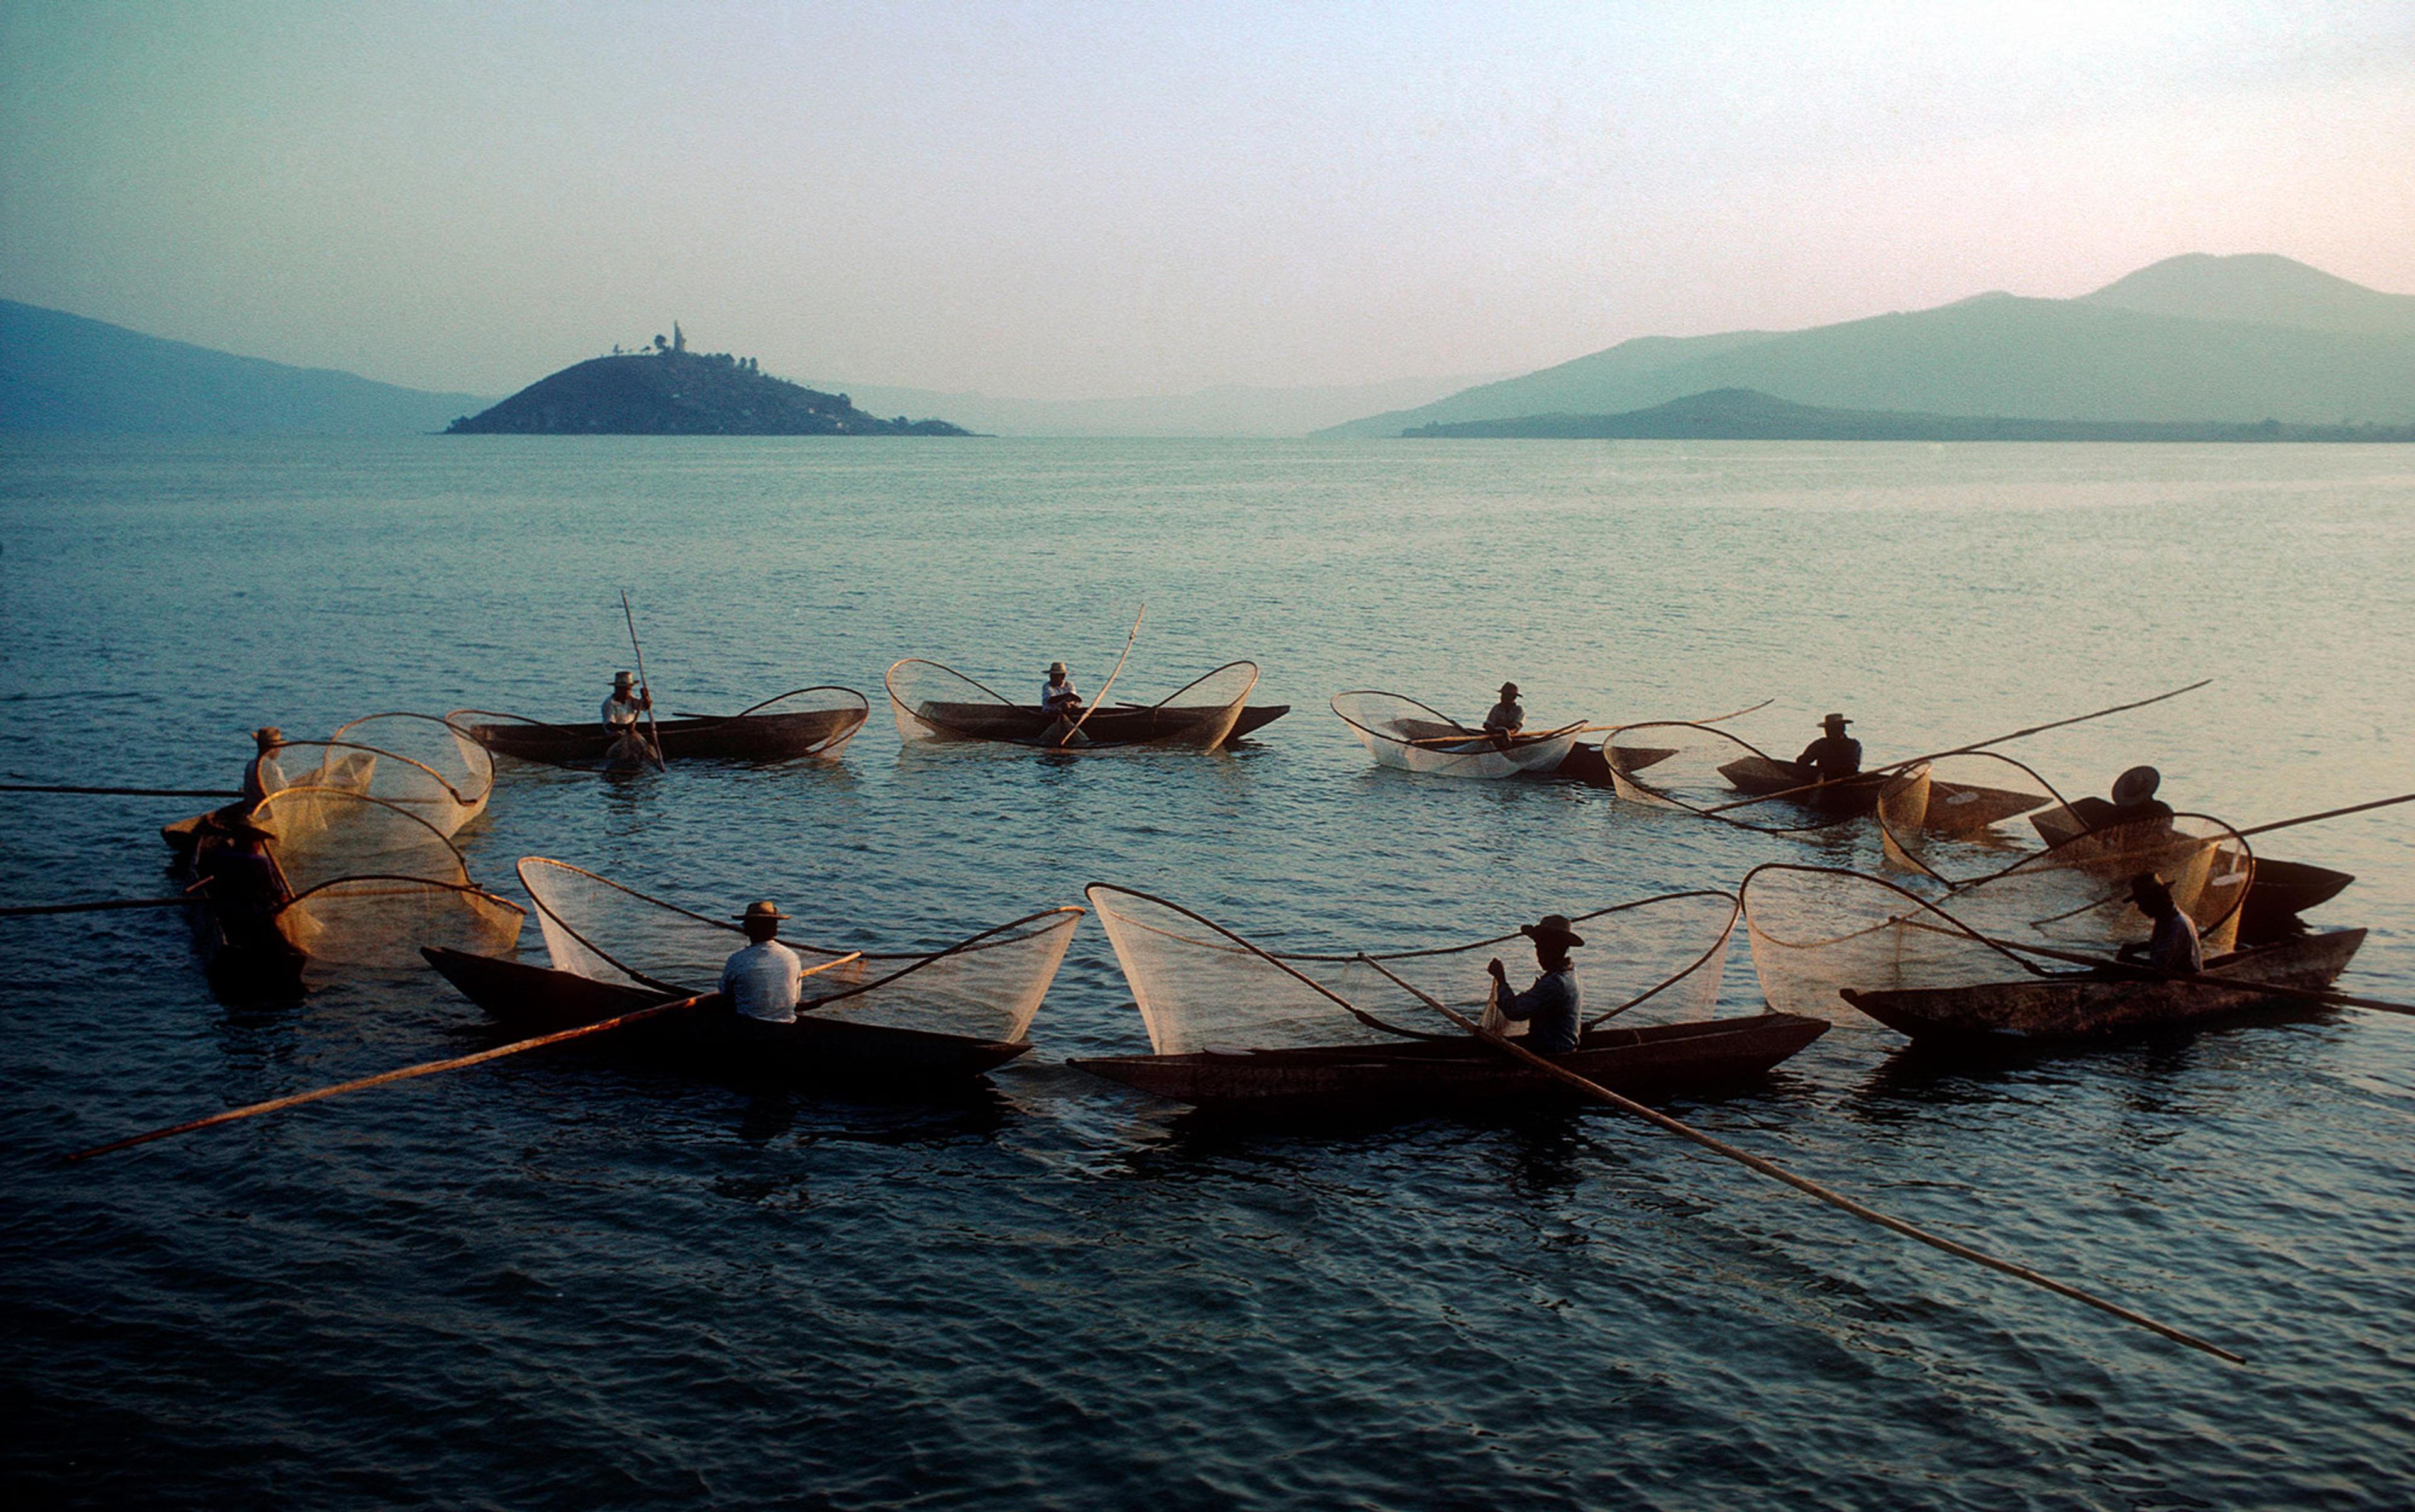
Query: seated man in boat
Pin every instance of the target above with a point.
(1835, 756)
(1059, 697)
(1506, 718)
(763, 981)
(2134, 801)
(628, 704)
(2173, 948)
(244, 887)
(1552, 1007)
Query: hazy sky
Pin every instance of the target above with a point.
(1062, 199)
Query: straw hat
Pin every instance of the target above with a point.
(268, 735)
(1057, 669)
(1510, 690)
(760, 908)
(1553, 930)
(2136, 785)
(1834, 723)
(623, 679)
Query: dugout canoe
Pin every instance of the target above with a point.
(826, 1052)
(238, 971)
(760, 738)
(1115, 724)
(2277, 894)
(1401, 733)
(1971, 805)
(2087, 1007)
(1416, 1076)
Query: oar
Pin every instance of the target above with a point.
(20, 910)
(425, 1069)
(119, 792)
(1110, 682)
(1833, 1198)
(1958, 750)
(1521, 738)
(2328, 813)
(653, 730)
(2243, 984)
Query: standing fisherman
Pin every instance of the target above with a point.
(1552, 1004)
(621, 711)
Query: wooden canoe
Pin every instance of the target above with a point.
(2276, 895)
(1414, 1076)
(1961, 808)
(754, 737)
(1115, 724)
(816, 1050)
(239, 971)
(2092, 1006)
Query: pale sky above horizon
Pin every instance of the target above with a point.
(1077, 199)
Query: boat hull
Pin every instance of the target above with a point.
(1417, 1076)
(757, 738)
(1478, 758)
(2085, 1007)
(2277, 893)
(815, 1050)
(959, 724)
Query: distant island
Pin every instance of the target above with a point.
(666, 389)
(1748, 414)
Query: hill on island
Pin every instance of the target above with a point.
(1745, 414)
(63, 372)
(2233, 339)
(671, 391)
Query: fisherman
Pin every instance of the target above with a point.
(628, 704)
(2174, 947)
(263, 775)
(1552, 1005)
(1834, 755)
(239, 877)
(2135, 800)
(1059, 697)
(763, 981)
(1507, 717)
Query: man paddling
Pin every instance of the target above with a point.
(1553, 1006)
(1835, 756)
(628, 705)
(763, 981)
(1061, 698)
(2174, 947)
(1506, 718)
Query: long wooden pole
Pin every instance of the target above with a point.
(1101, 699)
(653, 730)
(1833, 1198)
(424, 1068)
(97, 906)
(120, 792)
(2241, 984)
(1960, 750)
(2328, 813)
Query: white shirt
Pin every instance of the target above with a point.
(2174, 947)
(1054, 695)
(763, 981)
(619, 715)
(1508, 715)
(265, 777)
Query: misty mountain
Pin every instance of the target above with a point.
(2191, 338)
(62, 373)
(1225, 410)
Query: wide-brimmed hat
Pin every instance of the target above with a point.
(2136, 785)
(1835, 722)
(1057, 669)
(760, 908)
(1510, 688)
(268, 735)
(623, 679)
(1553, 930)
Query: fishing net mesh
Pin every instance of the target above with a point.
(1199, 988)
(1815, 930)
(371, 882)
(988, 987)
(932, 702)
(2077, 895)
(828, 717)
(1400, 732)
(1674, 764)
(1942, 816)
(446, 784)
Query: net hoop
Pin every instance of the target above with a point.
(1917, 905)
(536, 896)
(2217, 932)
(263, 812)
(1635, 789)
(1901, 831)
(473, 756)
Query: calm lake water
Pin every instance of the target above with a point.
(548, 1282)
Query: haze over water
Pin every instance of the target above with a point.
(553, 1283)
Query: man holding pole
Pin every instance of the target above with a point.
(628, 704)
(1553, 1006)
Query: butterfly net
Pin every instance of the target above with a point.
(370, 882)
(1948, 816)
(1399, 731)
(810, 723)
(1200, 987)
(416, 762)
(1674, 764)
(987, 987)
(2075, 896)
(932, 702)
(1817, 930)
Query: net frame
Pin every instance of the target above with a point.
(473, 783)
(1622, 745)
(377, 771)
(326, 913)
(2209, 875)
(1910, 931)
(1170, 1032)
(1916, 809)
(1395, 741)
(917, 724)
(573, 949)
